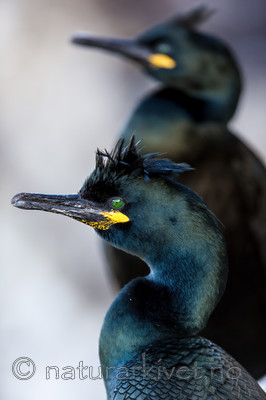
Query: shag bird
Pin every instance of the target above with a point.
(180, 57)
(149, 343)
(188, 119)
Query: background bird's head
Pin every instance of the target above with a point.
(179, 56)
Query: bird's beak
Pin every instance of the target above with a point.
(72, 206)
(128, 48)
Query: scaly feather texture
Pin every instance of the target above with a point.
(193, 365)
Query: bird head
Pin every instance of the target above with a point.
(118, 192)
(178, 55)
(132, 202)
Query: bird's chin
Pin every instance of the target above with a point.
(112, 237)
(105, 234)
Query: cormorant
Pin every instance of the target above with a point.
(150, 346)
(188, 119)
(180, 57)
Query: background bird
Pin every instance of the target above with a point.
(133, 203)
(187, 119)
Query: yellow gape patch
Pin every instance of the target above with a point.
(111, 217)
(161, 61)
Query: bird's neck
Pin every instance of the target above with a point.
(218, 86)
(165, 305)
(219, 105)
(208, 105)
(189, 125)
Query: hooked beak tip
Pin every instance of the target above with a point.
(17, 200)
(77, 38)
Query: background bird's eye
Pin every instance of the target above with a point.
(163, 47)
(117, 203)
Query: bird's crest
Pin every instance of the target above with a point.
(193, 17)
(128, 160)
(124, 162)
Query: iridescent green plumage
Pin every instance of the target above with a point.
(160, 316)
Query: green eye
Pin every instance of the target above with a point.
(163, 47)
(117, 203)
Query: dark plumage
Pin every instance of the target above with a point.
(155, 321)
(196, 366)
(180, 57)
(187, 120)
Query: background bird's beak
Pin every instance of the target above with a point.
(126, 47)
(72, 206)
(129, 48)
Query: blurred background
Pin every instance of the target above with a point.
(58, 103)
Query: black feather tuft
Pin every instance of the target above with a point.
(193, 17)
(127, 159)
(124, 161)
